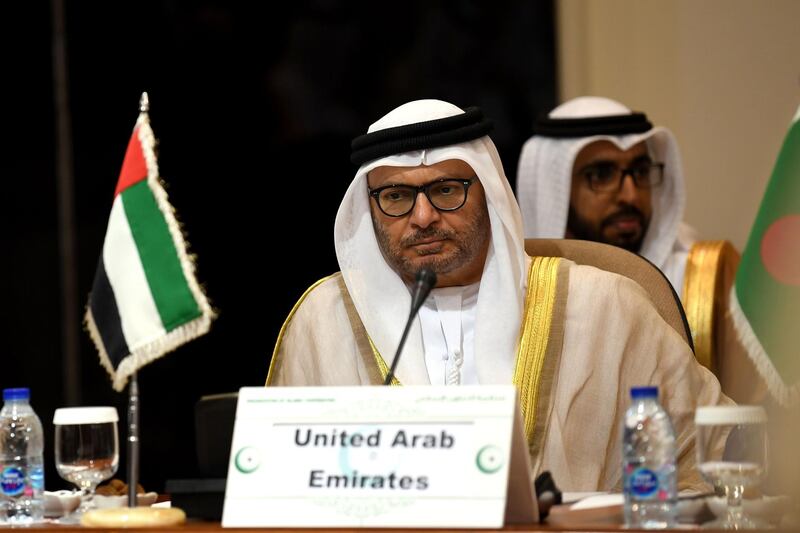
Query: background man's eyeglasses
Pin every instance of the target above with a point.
(607, 177)
(444, 194)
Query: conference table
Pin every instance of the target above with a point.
(206, 527)
(561, 519)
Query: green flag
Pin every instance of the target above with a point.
(765, 300)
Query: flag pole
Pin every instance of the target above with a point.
(133, 396)
(133, 439)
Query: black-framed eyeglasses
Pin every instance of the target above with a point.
(608, 177)
(446, 194)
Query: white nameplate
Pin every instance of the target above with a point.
(378, 457)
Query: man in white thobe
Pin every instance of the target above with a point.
(431, 192)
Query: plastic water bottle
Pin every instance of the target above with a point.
(21, 461)
(648, 463)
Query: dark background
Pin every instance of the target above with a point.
(254, 106)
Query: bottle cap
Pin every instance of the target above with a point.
(638, 393)
(730, 415)
(21, 393)
(84, 415)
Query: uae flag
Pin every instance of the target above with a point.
(145, 300)
(765, 299)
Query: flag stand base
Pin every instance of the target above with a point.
(130, 517)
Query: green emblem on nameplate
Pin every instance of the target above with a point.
(247, 460)
(489, 459)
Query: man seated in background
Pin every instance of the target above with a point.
(431, 192)
(595, 170)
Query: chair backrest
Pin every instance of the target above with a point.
(707, 280)
(625, 263)
(214, 416)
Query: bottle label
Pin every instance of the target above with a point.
(643, 483)
(37, 478)
(12, 481)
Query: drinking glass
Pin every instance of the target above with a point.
(743, 462)
(87, 448)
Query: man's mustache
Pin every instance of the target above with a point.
(626, 211)
(425, 234)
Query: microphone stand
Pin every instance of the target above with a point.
(426, 280)
(390, 374)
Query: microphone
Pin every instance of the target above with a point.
(425, 281)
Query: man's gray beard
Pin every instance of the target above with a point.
(468, 246)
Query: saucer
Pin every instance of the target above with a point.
(769, 508)
(60, 502)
